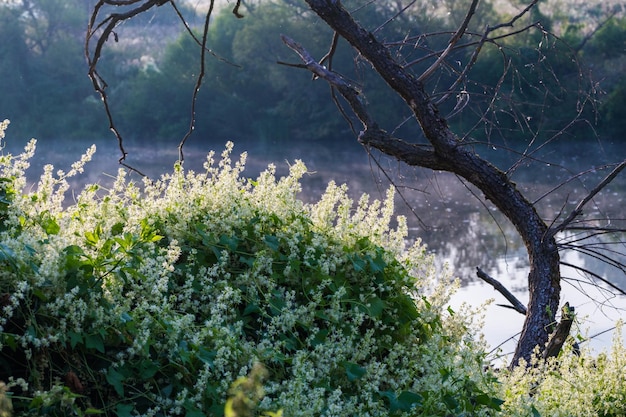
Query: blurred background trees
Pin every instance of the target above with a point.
(247, 95)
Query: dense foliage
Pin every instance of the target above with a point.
(215, 294)
(152, 302)
(248, 96)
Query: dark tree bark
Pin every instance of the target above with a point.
(447, 152)
(561, 333)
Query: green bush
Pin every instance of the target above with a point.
(210, 294)
(151, 301)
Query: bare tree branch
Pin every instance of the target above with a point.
(590, 35)
(515, 303)
(350, 93)
(102, 31)
(579, 208)
(199, 79)
(331, 52)
(447, 152)
(195, 38)
(595, 276)
(457, 36)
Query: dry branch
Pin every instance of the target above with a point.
(446, 152)
(497, 285)
(453, 41)
(579, 208)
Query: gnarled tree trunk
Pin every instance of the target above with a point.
(447, 152)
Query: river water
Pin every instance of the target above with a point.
(448, 215)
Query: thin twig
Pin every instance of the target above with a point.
(595, 276)
(195, 38)
(579, 208)
(199, 79)
(349, 92)
(459, 33)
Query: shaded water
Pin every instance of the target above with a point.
(449, 215)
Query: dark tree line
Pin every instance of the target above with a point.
(246, 96)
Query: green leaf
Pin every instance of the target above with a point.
(93, 237)
(272, 242)
(206, 356)
(74, 250)
(40, 294)
(124, 410)
(117, 229)
(125, 317)
(36, 402)
(95, 341)
(391, 397)
(207, 239)
(75, 338)
(358, 263)
(148, 369)
(251, 308)
(491, 402)
(377, 264)
(149, 232)
(192, 411)
(376, 306)
(535, 411)
(116, 379)
(167, 390)
(451, 402)
(404, 402)
(320, 337)
(6, 253)
(232, 243)
(126, 241)
(354, 371)
(155, 238)
(408, 400)
(50, 225)
(247, 260)
(277, 303)
(9, 340)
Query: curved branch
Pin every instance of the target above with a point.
(195, 38)
(447, 152)
(349, 92)
(107, 26)
(595, 276)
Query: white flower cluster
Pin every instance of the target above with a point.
(191, 279)
(3, 127)
(176, 288)
(580, 384)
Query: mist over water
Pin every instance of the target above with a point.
(447, 214)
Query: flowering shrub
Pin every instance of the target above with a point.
(151, 301)
(159, 300)
(569, 385)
